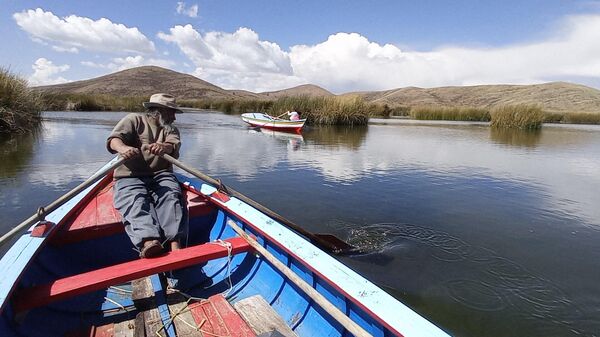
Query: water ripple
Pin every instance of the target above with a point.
(497, 283)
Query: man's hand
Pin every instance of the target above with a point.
(125, 151)
(160, 148)
(128, 152)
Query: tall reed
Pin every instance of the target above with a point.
(450, 113)
(521, 116)
(19, 106)
(325, 110)
(227, 105)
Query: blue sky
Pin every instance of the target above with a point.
(340, 45)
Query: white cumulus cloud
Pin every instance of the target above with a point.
(84, 33)
(191, 11)
(45, 73)
(122, 63)
(71, 50)
(238, 60)
(350, 61)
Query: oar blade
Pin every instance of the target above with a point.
(336, 245)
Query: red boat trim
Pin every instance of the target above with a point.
(299, 259)
(221, 318)
(102, 278)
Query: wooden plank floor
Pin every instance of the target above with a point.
(261, 317)
(185, 325)
(148, 321)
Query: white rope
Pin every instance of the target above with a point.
(229, 254)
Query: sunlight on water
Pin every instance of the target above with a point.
(479, 230)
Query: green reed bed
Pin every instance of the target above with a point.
(519, 116)
(325, 110)
(450, 113)
(227, 105)
(91, 102)
(19, 106)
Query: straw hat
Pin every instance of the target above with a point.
(162, 101)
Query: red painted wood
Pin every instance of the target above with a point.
(107, 330)
(220, 196)
(120, 273)
(99, 218)
(42, 229)
(218, 317)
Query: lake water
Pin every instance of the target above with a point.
(485, 233)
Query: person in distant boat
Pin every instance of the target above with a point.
(294, 115)
(146, 192)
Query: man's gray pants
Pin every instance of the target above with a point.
(152, 208)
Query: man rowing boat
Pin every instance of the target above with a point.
(146, 192)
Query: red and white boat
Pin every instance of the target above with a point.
(269, 122)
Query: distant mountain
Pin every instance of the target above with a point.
(553, 97)
(301, 90)
(144, 81)
(147, 80)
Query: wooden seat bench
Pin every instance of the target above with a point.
(124, 272)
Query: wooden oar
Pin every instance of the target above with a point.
(337, 314)
(281, 115)
(60, 201)
(328, 242)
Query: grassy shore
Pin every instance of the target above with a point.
(317, 110)
(19, 106)
(87, 102)
(450, 114)
(347, 110)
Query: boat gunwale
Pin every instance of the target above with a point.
(59, 216)
(428, 327)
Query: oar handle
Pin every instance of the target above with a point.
(312, 237)
(337, 314)
(61, 200)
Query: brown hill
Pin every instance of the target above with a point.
(143, 81)
(553, 97)
(301, 90)
(146, 80)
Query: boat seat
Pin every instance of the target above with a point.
(99, 218)
(211, 317)
(102, 278)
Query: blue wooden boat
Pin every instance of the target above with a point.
(75, 274)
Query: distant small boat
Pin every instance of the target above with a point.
(265, 121)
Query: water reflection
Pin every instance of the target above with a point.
(15, 152)
(500, 223)
(293, 141)
(338, 136)
(516, 137)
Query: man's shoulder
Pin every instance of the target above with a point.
(134, 115)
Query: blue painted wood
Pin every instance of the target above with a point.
(162, 306)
